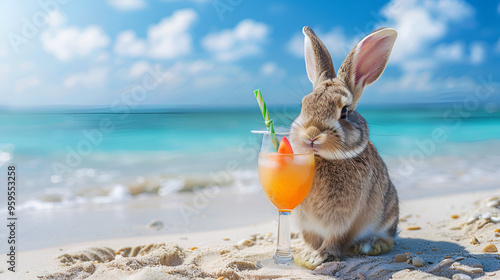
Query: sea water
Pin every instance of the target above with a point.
(91, 174)
(70, 158)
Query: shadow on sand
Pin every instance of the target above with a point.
(441, 258)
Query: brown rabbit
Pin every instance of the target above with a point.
(352, 206)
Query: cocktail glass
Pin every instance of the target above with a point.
(286, 180)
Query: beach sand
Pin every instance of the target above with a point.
(440, 241)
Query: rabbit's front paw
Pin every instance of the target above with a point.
(373, 247)
(311, 258)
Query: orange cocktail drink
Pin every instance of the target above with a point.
(286, 178)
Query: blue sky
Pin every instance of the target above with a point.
(212, 53)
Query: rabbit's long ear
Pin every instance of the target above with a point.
(319, 64)
(367, 60)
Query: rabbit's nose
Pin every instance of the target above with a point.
(312, 133)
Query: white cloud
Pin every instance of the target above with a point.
(450, 52)
(296, 45)
(421, 27)
(498, 8)
(202, 84)
(170, 38)
(414, 81)
(69, 42)
(497, 49)
(424, 81)
(226, 75)
(184, 70)
(3, 50)
(138, 69)
(421, 23)
(56, 18)
(416, 65)
(5, 70)
(477, 53)
(127, 5)
(94, 77)
(198, 67)
(449, 9)
(128, 44)
(25, 83)
(271, 70)
(26, 66)
(232, 44)
(103, 57)
(336, 41)
(268, 68)
(181, 74)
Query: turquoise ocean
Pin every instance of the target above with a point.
(95, 156)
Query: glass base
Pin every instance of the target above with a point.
(270, 263)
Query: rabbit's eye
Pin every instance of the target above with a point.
(343, 113)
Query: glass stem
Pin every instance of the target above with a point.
(283, 253)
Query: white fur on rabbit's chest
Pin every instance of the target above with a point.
(322, 227)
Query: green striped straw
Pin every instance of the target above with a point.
(267, 119)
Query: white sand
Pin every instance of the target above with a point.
(441, 242)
